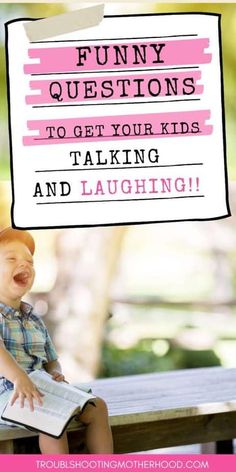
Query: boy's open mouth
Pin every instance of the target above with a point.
(22, 278)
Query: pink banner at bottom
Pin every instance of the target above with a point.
(124, 462)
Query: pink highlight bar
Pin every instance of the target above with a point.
(104, 128)
(66, 59)
(87, 89)
(119, 462)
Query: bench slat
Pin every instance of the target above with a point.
(163, 402)
(168, 395)
(7, 447)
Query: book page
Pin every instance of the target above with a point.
(60, 402)
(62, 390)
(50, 418)
(52, 406)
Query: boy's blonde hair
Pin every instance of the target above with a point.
(10, 234)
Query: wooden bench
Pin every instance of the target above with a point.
(161, 410)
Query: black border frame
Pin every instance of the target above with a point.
(228, 214)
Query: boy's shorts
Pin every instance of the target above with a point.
(4, 397)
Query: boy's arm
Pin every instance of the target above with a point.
(54, 369)
(52, 366)
(24, 388)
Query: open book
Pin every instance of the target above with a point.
(61, 402)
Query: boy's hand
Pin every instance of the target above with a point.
(58, 376)
(25, 389)
(54, 369)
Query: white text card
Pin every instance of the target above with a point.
(118, 123)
